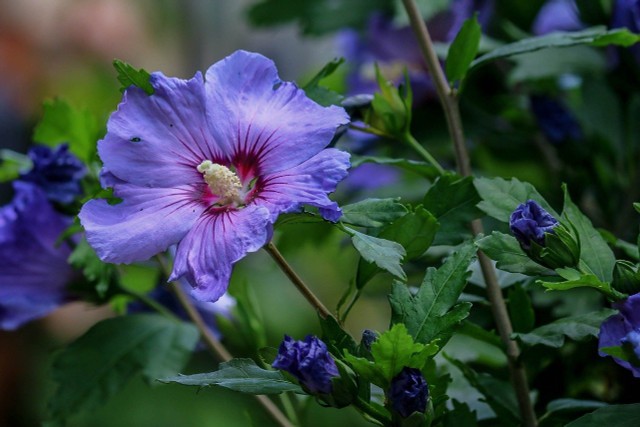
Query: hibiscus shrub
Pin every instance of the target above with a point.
(463, 202)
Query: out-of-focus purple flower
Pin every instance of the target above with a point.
(309, 361)
(209, 164)
(208, 310)
(56, 171)
(555, 120)
(408, 392)
(626, 14)
(557, 15)
(371, 176)
(622, 328)
(379, 44)
(33, 268)
(529, 222)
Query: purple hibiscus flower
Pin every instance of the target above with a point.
(56, 171)
(33, 267)
(408, 392)
(529, 222)
(557, 15)
(209, 164)
(622, 328)
(309, 361)
(380, 41)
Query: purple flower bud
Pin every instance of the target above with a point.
(309, 361)
(408, 392)
(368, 338)
(57, 172)
(623, 328)
(529, 222)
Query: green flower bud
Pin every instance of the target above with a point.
(391, 107)
(561, 248)
(626, 277)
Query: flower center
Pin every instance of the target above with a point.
(223, 182)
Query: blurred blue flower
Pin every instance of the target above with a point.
(408, 392)
(556, 121)
(529, 222)
(309, 361)
(33, 267)
(626, 14)
(623, 328)
(380, 41)
(557, 15)
(208, 310)
(56, 171)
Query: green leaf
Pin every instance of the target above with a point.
(630, 250)
(414, 231)
(241, 375)
(573, 405)
(497, 393)
(373, 212)
(322, 95)
(99, 363)
(392, 351)
(421, 168)
(578, 279)
(452, 199)
(596, 36)
(62, 123)
(594, 251)
(433, 312)
(12, 164)
(459, 416)
(509, 256)
(501, 197)
(336, 338)
(385, 254)
(612, 415)
(129, 76)
(297, 218)
(100, 275)
(575, 327)
(521, 310)
(463, 49)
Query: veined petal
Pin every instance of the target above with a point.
(158, 140)
(271, 125)
(207, 253)
(147, 221)
(309, 183)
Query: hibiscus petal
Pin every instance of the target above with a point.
(16, 310)
(206, 255)
(158, 140)
(269, 123)
(147, 222)
(308, 183)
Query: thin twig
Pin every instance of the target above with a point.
(449, 103)
(297, 281)
(216, 347)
